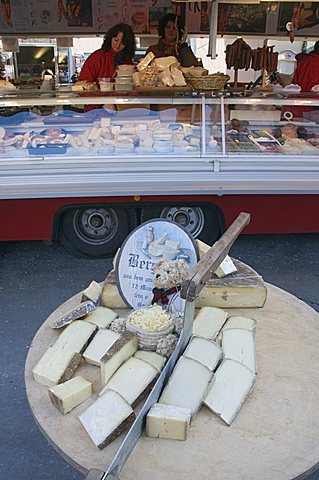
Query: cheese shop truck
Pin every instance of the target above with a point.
(88, 179)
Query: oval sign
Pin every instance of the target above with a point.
(147, 244)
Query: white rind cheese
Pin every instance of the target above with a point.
(239, 344)
(76, 336)
(56, 366)
(153, 358)
(101, 343)
(92, 292)
(208, 322)
(101, 317)
(132, 379)
(120, 351)
(205, 352)
(107, 418)
(70, 394)
(167, 421)
(240, 322)
(187, 386)
(225, 268)
(231, 385)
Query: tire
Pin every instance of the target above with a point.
(202, 222)
(96, 231)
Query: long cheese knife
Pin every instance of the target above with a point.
(190, 289)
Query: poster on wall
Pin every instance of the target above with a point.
(15, 16)
(108, 13)
(197, 17)
(308, 18)
(157, 10)
(234, 18)
(135, 13)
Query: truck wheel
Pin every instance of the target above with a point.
(205, 223)
(96, 231)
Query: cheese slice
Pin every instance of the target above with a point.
(233, 381)
(153, 358)
(133, 379)
(120, 351)
(70, 394)
(240, 322)
(56, 366)
(76, 336)
(167, 421)
(239, 344)
(101, 343)
(187, 386)
(107, 418)
(93, 291)
(208, 322)
(205, 352)
(225, 268)
(102, 317)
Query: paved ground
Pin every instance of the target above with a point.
(36, 278)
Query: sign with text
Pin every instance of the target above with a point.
(147, 244)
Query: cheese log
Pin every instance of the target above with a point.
(225, 268)
(102, 317)
(187, 386)
(120, 351)
(107, 418)
(205, 352)
(240, 322)
(56, 366)
(70, 394)
(167, 421)
(208, 322)
(101, 343)
(153, 358)
(231, 385)
(133, 380)
(92, 292)
(239, 344)
(76, 336)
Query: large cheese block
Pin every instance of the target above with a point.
(56, 366)
(97, 348)
(232, 383)
(239, 344)
(205, 352)
(167, 421)
(76, 336)
(153, 358)
(70, 394)
(120, 351)
(102, 317)
(107, 418)
(133, 380)
(187, 386)
(208, 322)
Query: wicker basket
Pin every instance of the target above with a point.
(148, 339)
(216, 81)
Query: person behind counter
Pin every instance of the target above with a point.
(172, 41)
(118, 48)
(307, 71)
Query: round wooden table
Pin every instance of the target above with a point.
(274, 436)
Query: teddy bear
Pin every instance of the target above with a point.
(168, 278)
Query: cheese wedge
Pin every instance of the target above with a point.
(225, 268)
(208, 322)
(111, 297)
(101, 343)
(205, 352)
(120, 351)
(133, 380)
(167, 421)
(102, 317)
(153, 358)
(233, 381)
(239, 344)
(92, 292)
(70, 394)
(240, 322)
(76, 336)
(187, 386)
(56, 366)
(107, 418)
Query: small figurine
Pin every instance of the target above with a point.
(168, 277)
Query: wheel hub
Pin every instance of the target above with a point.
(96, 225)
(191, 218)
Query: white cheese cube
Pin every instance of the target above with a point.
(70, 394)
(107, 418)
(208, 322)
(226, 267)
(231, 385)
(101, 343)
(120, 351)
(187, 385)
(92, 292)
(167, 421)
(55, 366)
(239, 344)
(153, 358)
(204, 351)
(76, 336)
(101, 317)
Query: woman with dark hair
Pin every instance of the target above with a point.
(172, 35)
(118, 48)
